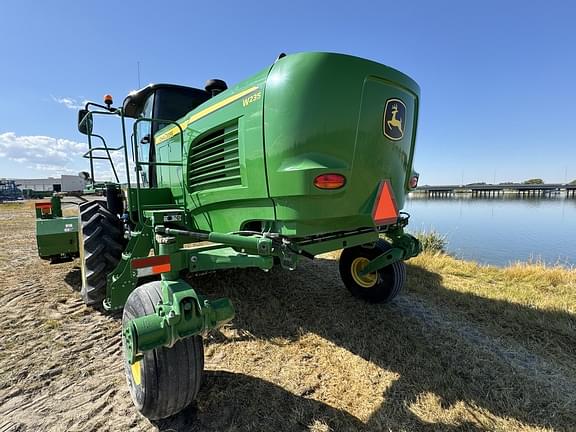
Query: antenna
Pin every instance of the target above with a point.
(138, 64)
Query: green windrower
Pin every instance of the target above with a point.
(310, 155)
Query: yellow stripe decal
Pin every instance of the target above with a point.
(175, 130)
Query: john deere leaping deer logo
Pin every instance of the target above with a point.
(394, 119)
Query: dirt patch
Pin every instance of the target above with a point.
(301, 354)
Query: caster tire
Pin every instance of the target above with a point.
(378, 287)
(165, 380)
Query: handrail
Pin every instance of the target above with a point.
(138, 164)
(88, 154)
(103, 110)
(85, 155)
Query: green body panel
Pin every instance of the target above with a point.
(324, 114)
(227, 203)
(57, 236)
(150, 198)
(309, 114)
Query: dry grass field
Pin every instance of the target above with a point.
(464, 347)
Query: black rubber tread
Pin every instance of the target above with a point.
(95, 272)
(98, 223)
(102, 243)
(112, 259)
(112, 229)
(170, 377)
(95, 253)
(97, 206)
(390, 278)
(85, 208)
(112, 243)
(93, 240)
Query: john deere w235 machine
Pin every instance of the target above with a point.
(312, 154)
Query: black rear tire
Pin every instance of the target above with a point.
(378, 287)
(166, 380)
(101, 242)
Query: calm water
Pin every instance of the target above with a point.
(503, 230)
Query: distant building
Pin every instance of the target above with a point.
(66, 183)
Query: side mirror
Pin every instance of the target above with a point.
(85, 122)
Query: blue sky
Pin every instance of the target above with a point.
(498, 78)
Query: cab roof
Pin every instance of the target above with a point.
(134, 102)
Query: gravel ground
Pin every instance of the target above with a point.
(301, 355)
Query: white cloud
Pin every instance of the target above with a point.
(41, 152)
(69, 102)
(56, 156)
(39, 148)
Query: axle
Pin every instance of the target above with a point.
(181, 314)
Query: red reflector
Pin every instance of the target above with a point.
(162, 268)
(413, 182)
(43, 205)
(329, 181)
(385, 211)
(154, 261)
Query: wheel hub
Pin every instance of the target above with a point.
(365, 281)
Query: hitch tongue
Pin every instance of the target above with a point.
(381, 261)
(404, 246)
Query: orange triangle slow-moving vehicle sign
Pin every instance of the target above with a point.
(385, 211)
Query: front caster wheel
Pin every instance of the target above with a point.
(378, 287)
(166, 380)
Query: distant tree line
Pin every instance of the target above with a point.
(533, 181)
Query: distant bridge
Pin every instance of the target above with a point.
(492, 190)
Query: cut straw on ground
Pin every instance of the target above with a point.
(464, 347)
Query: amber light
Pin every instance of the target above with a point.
(329, 181)
(413, 182)
(108, 99)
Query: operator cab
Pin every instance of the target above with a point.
(159, 101)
